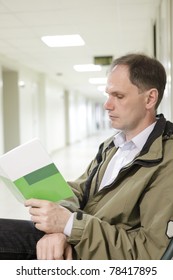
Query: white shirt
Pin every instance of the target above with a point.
(127, 150)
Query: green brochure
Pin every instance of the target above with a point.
(29, 172)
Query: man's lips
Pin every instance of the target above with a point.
(113, 117)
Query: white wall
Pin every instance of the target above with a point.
(164, 52)
(53, 119)
(91, 126)
(29, 107)
(1, 115)
(55, 116)
(171, 42)
(77, 117)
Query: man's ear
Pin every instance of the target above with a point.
(151, 98)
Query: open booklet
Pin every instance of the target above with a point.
(29, 172)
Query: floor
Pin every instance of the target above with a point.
(71, 162)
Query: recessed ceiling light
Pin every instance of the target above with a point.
(96, 81)
(63, 40)
(87, 67)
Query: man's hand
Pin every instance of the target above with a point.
(54, 247)
(48, 216)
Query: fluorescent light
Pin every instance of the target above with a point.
(96, 81)
(87, 67)
(63, 40)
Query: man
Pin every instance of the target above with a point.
(124, 201)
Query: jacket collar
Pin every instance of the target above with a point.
(162, 130)
(157, 131)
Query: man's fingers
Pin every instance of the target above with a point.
(33, 202)
(68, 253)
(51, 247)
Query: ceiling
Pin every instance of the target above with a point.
(108, 27)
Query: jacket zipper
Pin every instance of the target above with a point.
(136, 161)
(103, 160)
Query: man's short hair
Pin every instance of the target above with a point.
(144, 72)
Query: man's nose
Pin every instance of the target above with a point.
(108, 105)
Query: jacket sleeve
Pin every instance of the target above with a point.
(94, 238)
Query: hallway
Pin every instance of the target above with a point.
(71, 161)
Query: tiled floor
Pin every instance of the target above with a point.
(71, 161)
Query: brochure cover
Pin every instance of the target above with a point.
(29, 172)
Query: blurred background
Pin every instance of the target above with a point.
(54, 57)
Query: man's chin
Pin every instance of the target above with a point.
(115, 125)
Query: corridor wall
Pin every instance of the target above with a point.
(164, 52)
(43, 111)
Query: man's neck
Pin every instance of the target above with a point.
(132, 133)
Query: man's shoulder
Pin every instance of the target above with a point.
(163, 127)
(168, 129)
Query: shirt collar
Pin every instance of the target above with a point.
(138, 141)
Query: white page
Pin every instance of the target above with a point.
(24, 159)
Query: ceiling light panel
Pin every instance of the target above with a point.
(87, 67)
(63, 40)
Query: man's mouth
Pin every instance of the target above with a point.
(113, 117)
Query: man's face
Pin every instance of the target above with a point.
(125, 105)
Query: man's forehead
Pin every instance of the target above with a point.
(121, 67)
(119, 72)
(119, 79)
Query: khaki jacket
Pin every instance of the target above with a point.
(128, 219)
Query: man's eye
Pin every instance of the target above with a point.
(120, 96)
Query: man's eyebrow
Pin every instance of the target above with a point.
(115, 92)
